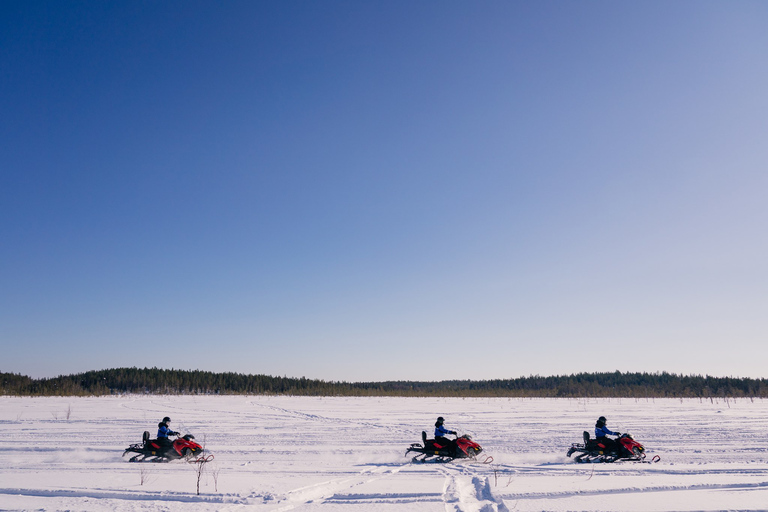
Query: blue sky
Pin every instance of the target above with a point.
(384, 190)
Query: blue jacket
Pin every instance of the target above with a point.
(441, 431)
(603, 431)
(164, 431)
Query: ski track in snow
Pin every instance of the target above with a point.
(347, 454)
(468, 491)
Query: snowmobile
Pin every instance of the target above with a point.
(150, 450)
(624, 448)
(462, 447)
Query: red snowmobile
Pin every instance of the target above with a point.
(150, 450)
(624, 448)
(461, 448)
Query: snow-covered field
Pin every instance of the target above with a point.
(347, 454)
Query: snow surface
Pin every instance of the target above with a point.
(347, 454)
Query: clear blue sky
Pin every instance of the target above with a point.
(384, 190)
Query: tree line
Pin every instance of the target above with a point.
(185, 382)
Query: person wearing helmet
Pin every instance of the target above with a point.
(163, 431)
(601, 431)
(441, 432)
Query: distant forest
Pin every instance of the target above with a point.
(185, 382)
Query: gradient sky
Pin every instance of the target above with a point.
(384, 190)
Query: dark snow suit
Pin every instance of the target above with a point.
(162, 435)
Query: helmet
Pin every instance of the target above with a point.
(602, 419)
(166, 419)
(440, 419)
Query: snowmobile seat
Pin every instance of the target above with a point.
(592, 444)
(429, 443)
(150, 444)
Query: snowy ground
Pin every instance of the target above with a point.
(347, 454)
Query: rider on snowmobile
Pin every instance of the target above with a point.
(601, 431)
(163, 431)
(441, 432)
